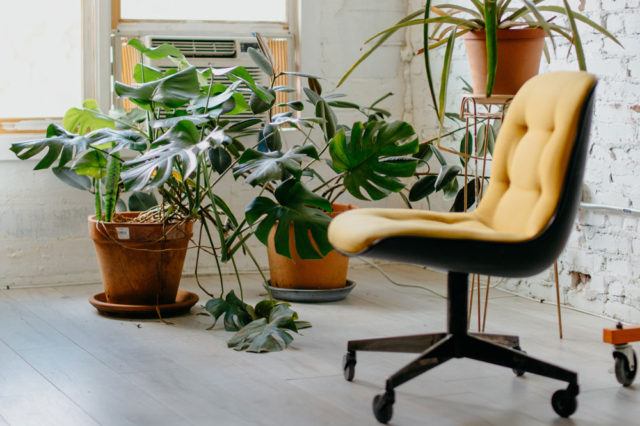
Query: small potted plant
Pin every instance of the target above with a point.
(505, 40)
(366, 159)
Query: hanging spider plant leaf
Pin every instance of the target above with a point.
(271, 166)
(375, 47)
(424, 187)
(427, 55)
(491, 38)
(444, 80)
(577, 42)
(298, 209)
(582, 18)
(373, 156)
(235, 312)
(172, 91)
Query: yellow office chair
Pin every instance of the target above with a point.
(518, 229)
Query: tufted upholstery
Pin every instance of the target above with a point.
(527, 177)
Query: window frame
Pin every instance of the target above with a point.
(102, 27)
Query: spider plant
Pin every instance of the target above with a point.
(444, 23)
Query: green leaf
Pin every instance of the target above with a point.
(258, 105)
(373, 156)
(220, 159)
(268, 334)
(172, 91)
(92, 164)
(491, 39)
(446, 175)
(466, 147)
(180, 143)
(236, 312)
(261, 61)
(142, 201)
(458, 204)
(159, 52)
(240, 73)
(244, 124)
(577, 42)
(444, 81)
(265, 167)
(329, 124)
(298, 211)
(72, 179)
(486, 139)
(450, 190)
(424, 187)
(269, 139)
(86, 119)
(144, 74)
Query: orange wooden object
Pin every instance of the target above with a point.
(620, 336)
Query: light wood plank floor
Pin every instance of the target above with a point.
(63, 364)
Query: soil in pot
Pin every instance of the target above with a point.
(519, 55)
(141, 263)
(329, 272)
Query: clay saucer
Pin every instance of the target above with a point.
(184, 301)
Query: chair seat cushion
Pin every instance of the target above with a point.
(355, 231)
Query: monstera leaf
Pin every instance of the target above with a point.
(296, 209)
(181, 142)
(172, 91)
(84, 120)
(373, 156)
(269, 333)
(236, 313)
(269, 166)
(59, 144)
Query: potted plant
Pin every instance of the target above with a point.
(365, 159)
(504, 41)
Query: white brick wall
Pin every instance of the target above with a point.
(605, 246)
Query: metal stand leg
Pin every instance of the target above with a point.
(557, 280)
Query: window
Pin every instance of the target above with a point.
(205, 10)
(41, 62)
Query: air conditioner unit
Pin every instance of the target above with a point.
(216, 52)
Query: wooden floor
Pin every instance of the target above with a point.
(63, 364)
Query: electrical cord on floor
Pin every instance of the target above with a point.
(396, 283)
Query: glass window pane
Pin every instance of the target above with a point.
(205, 10)
(41, 58)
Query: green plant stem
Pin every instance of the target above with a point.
(98, 199)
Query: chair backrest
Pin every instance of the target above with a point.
(533, 150)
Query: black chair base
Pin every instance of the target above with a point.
(438, 348)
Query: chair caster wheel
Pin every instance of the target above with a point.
(564, 402)
(518, 371)
(383, 406)
(349, 365)
(624, 374)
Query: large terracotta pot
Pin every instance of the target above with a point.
(326, 273)
(141, 263)
(519, 54)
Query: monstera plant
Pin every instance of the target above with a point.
(298, 192)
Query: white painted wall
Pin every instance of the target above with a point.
(43, 228)
(604, 246)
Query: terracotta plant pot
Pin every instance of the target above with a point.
(329, 272)
(141, 264)
(519, 54)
